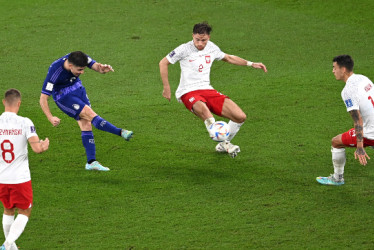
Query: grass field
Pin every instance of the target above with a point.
(168, 188)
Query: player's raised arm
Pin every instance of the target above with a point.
(242, 62)
(102, 68)
(45, 107)
(37, 145)
(164, 64)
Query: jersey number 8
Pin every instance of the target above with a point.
(7, 148)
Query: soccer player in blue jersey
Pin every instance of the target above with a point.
(63, 83)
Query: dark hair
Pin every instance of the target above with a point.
(12, 96)
(78, 58)
(345, 61)
(202, 28)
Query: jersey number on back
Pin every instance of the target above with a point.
(7, 149)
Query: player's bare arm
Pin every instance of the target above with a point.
(358, 125)
(37, 145)
(102, 68)
(45, 107)
(242, 62)
(164, 64)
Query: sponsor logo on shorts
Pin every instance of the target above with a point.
(348, 103)
(32, 129)
(192, 99)
(76, 106)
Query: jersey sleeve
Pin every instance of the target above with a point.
(90, 62)
(351, 98)
(218, 54)
(29, 128)
(48, 82)
(177, 54)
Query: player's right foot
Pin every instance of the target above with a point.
(127, 134)
(330, 180)
(228, 147)
(96, 166)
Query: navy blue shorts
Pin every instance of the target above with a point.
(73, 102)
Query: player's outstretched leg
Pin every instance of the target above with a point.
(96, 166)
(102, 124)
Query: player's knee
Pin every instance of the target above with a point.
(241, 118)
(336, 142)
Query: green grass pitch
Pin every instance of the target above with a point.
(168, 188)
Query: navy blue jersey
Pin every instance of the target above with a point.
(60, 81)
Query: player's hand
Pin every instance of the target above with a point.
(105, 68)
(259, 66)
(166, 93)
(361, 155)
(45, 144)
(55, 121)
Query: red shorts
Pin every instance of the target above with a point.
(349, 139)
(212, 98)
(16, 195)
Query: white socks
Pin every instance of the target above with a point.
(338, 160)
(7, 223)
(16, 229)
(209, 122)
(234, 128)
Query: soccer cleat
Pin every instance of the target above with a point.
(2, 247)
(220, 148)
(330, 181)
(228, 147)
(96, 166)
(127, 134)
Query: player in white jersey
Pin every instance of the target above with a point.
(195, 91)
(15, 180)
(358, 96)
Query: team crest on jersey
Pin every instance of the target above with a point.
(207, 59)
(348, 103)
(76, 106)
(72, 79)
(172, 54)
(32, 129)
(368, 87)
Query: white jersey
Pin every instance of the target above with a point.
(14, 133)
(358, 94)
(195, 66)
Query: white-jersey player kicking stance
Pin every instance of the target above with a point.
(195, 91)
(15, 180)
(358, 96)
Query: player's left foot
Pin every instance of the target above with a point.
(127, 134)
(228, 147)
(220, 148)
(96, 166)
(330, 180)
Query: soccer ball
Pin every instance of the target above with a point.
(219, 131)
